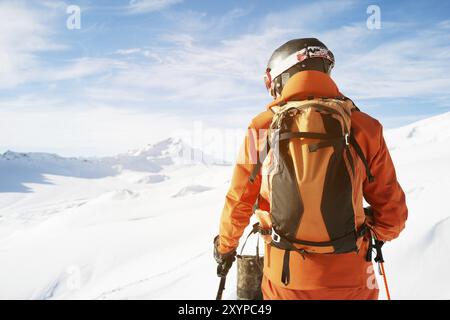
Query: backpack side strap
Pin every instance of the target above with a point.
(281, 242)
(363, 158)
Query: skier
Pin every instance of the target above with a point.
(308, 175)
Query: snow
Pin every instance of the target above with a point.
(140, 225)
(153, 178)
(418, 261)
(190, 190)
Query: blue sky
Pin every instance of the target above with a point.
(139, 70)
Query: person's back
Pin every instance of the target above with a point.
(307, 254)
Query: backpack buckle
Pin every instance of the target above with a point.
(346, 139)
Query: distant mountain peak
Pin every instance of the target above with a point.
(162, 148)
(154, 157)
(172, 150)
(13, 155)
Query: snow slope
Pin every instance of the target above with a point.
(104, 228)
(418, 261)
(140, 225)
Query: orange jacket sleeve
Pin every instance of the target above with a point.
(242, 193)
(384, 194)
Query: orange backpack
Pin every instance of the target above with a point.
(310, 177)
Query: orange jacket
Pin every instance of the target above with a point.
(384, 195)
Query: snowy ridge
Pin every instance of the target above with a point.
(20, 168)
(434, 130)
(171, 151)
(152, 157)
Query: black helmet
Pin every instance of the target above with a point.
(295, 56)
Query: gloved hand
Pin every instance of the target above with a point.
(225, 261)
(377, 245)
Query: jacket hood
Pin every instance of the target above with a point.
(307, 84)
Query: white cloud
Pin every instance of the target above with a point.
(397, 68)
(53, 4)
(183, 39)
(198, 68)
(230, 71)
(143, 6)
(79, 129)
(195, 69)
(299, 19)
(227, 75)
(444, 24)
(81, 68)
(24, 34)
(125, 52)
(29, 34)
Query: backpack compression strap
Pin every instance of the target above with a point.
(328, 141)
(281, 242)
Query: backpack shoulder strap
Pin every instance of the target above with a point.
(361, 155)
(356, 146)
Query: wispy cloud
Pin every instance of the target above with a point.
(196, 65)
(144, 6)
(403, 66)
(24, 34)
(370, 64)
(78, 129)
(444, 24)
(189, 67)
(81, 68)
(125, 52)
(30, 34)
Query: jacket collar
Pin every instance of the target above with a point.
(307, 85)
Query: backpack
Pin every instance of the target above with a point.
(310, 176)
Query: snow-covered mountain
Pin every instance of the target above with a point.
(18, 169)
(153, 157)
(140, 224)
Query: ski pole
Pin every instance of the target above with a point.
(221, 288)
(385, 281)
(379, 258)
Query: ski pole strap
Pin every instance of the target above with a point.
(221, 288)
(375, 244)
